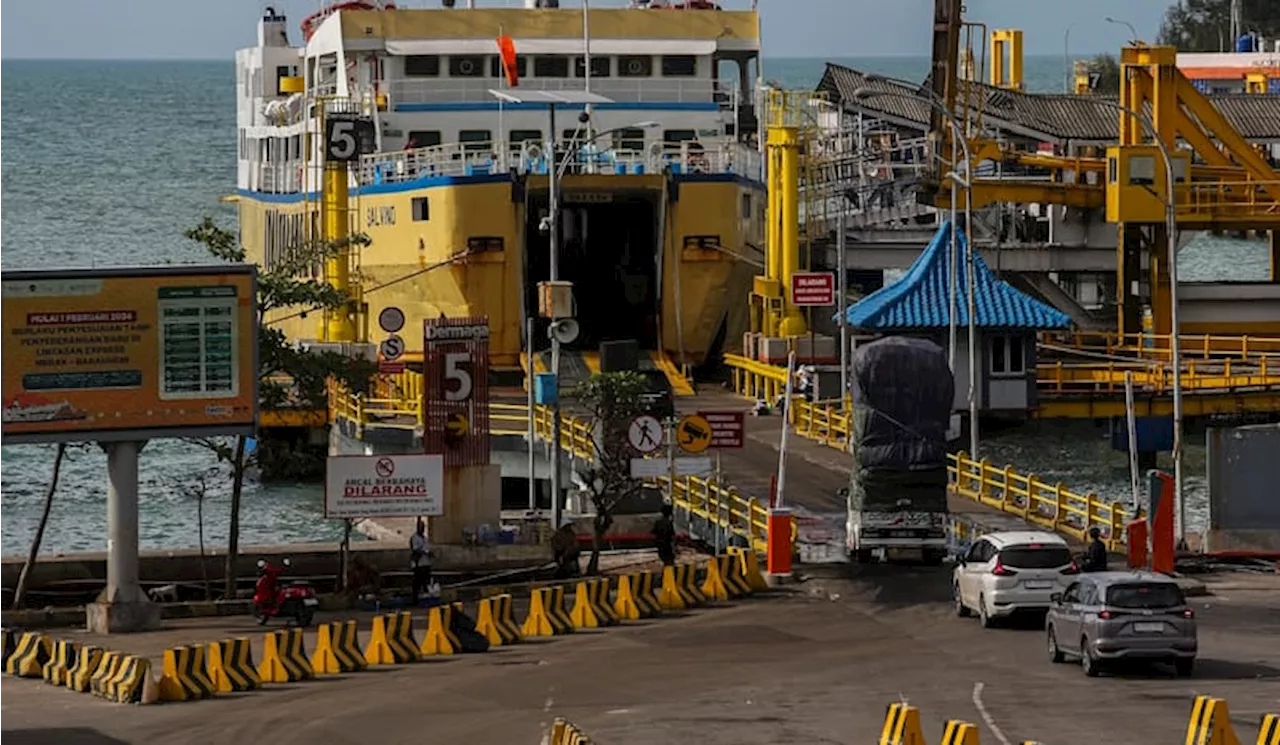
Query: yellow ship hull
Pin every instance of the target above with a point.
(468, 246)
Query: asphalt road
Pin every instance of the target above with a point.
(816, 665)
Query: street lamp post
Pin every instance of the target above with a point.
(966, 182)
(1175, 351)
(1066, 59)
(1132, 30)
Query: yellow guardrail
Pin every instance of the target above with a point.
(1154, 378)
(1050, 505)
(395, 402)
(1190, 346)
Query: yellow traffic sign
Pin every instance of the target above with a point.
(693, 433)
(457, 426)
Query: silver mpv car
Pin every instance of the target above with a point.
(1122, 615)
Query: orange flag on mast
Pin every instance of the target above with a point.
(507, 53)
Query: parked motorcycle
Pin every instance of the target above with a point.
(272, 598)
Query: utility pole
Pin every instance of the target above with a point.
(553, 233)
(842, 280)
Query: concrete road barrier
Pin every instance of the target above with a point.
(87, 663)
(735, 580)
(537, 622)
(378, 651)
(324, 657)
(229, 665)
(55, 671)
(956, 732)
(646, 597)
(1210, 724)
(184, 676)
(558, 611)
(564, 733)
(400, 635)
(669, 595)
(749, 566)
(488, 623)
(29, 655)
(584, 614)
(110, 662)
(713, 587)
(347, 646)
(279, 660)
(439, 640)
(507, 626)
(1269, 730)
(901, 726)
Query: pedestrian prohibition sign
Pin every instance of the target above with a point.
(645, 433)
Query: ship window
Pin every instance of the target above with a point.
(1008, 356)
(679, 135)
(424, 138)
(467, 66)
(679, 66)
(282, 72)
(574, 136)
(495, 66)
(551, 67)
(600, 67)
(630, 66)
(421, 209)
(628, 139)
(518, 136)
(475, 139)
(422, 66)
(746, 205)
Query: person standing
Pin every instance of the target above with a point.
(664, 536)
(420, 561)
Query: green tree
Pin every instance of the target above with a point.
(289, 377)
(1205, 25)
(612, 401)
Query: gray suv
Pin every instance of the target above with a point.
(1122, 615)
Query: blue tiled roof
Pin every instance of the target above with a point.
(920, 300)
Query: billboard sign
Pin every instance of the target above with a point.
(359, 486)
(456, 390)
(129, 353)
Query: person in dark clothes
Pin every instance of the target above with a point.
(565, 551)
(420, 561)
(1095, 556)
(664, 536)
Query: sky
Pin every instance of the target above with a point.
(213, 29)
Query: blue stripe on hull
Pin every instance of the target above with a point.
(491, 178)
(612, 106)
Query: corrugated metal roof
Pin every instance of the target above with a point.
(921, 299)
(1054, 116)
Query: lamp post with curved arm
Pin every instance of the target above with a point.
(966, 181)
(1175, 352)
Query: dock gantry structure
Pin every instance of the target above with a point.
(1053, 181)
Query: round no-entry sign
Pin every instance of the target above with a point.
(391, 319)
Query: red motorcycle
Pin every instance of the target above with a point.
(272, 598)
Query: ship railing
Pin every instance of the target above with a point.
(484, 158)
(1218, 347)
(1154, 378)
(279, 178)
(395, 402)
(443, 92)
(1001, 487)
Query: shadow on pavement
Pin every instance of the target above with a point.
(68, 736)
(901, 585)
(1206, 669)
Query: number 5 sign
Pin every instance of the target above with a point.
(456, 390)
(346, 138)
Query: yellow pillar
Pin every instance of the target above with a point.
(338, 324)
(785, 141)
(1006, 58)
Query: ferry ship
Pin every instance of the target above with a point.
(662, 221)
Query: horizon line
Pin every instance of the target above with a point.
(21, 58)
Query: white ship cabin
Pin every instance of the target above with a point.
(442, 107)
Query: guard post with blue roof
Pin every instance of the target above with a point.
(1008, 320)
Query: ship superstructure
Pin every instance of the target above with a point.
(662, 195)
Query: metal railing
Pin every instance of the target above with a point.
(1050, 505)
(1190, 346)
(1230, 200)
(1155, 378)
(480, 158)
(395, 402)
(629, 90)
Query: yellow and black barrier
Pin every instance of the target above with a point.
(669, 595)
(1210, 724)
(133, 682)
(439, 639)
(183, 675)
(283, 658)
(901, 726)
(558, 610)
(642, 587)
(735, 580)
(400, 635)
(713, 585)
(378, 651)
(956, 732)
(105, 671)
(489, 622)
(57, 669)
(229, 664)
(585, 614)
(687, 578)
(604, 607)
(749, 566)
(625, 606)
(10, 643)
(347, 646)
(537, 621)
(87, 663)
(564, 733)
(1269, 730)
(505, 608)
(29, 655)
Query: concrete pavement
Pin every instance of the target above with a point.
(815, 665)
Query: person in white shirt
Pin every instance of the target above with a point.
(420, 561)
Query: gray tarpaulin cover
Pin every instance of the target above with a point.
(903, 394)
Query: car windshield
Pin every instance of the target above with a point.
(1035, 556)
(1145, 595)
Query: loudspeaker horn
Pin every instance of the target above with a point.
(564, 330)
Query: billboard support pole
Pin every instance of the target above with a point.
(123, 606)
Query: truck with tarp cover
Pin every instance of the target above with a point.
(903, 395)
